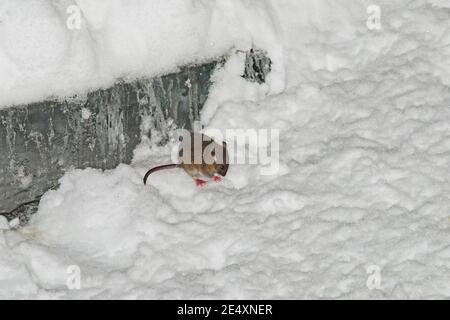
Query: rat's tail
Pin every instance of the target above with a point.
(167, 166)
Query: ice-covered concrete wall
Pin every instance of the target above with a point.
(39, 142)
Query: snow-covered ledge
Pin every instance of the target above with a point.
(40, 141)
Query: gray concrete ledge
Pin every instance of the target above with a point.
(40, 141)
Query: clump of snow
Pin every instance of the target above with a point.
(4, 225)
(85, 113)
(237, 88)
(358, 209)
(14, 223)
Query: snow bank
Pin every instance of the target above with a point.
(362, 189)
(45, 52)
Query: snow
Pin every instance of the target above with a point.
(85, 113)
(358, 208)
(59, 49)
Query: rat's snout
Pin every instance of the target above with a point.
(223, 168)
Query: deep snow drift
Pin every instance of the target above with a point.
(363, 183)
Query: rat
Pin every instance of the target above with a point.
(209, 160)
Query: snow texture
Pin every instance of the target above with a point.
(67, 47)
(362, 189)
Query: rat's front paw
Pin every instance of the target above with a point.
(217, 179)
(200, 183)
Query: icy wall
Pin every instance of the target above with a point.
(39, 142)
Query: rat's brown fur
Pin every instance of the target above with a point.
(209, 166)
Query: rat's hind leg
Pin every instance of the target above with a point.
(196, 172)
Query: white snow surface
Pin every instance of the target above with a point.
(363, 184)
(63, 48)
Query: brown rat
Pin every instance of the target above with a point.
(208, 160)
